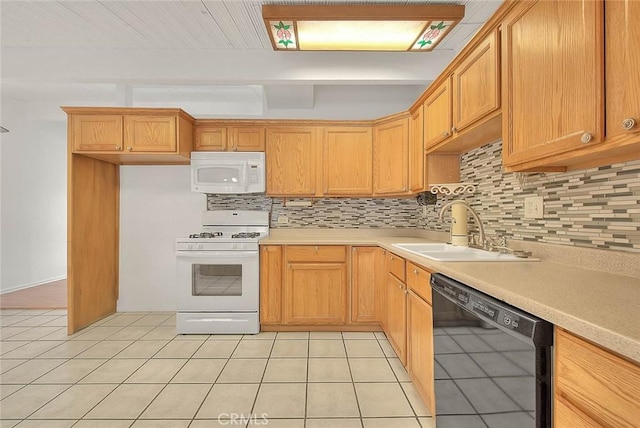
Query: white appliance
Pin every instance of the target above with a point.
(227, 172)
(218, 274)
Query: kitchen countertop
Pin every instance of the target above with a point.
(600, 306)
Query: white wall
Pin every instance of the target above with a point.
(34, 199)
(156, 207)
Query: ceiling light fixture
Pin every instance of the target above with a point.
(413, 28)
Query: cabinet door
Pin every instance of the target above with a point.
(391, 157)
(623, 73)
(552, 79)
(396, 317)
(271, 284)
(96, 132)
(315, 293)
(420, 358)
(437, 115)
(291, 155)
(363, 284)
(150, 133)
(210, 139)
(347, 158)
(381, 286)
(476, 84)
(247, 139)
(416, 150)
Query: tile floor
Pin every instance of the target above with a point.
(132, 370)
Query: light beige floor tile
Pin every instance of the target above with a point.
(161, 424)
(326, 348)
(216, 349)
(210, 423)
(29, 399)
(125, 402)
(387, 349)
(114, 371)
(70, 372)
(382, 400)
(334, 423)
(290, 348)
(32, 349)
(96, 333)
(358, 335)
(9, 423)
(6, 365)
(105, 349)
(276, 423)
(160, 333)
(199, 371)
(253, 349)
(9, 345)
(30, 371)
(281, 400)
(243, 371)
(325, 335)
(130, 333)
(142, 349)
(263, 335)
(371, 370)
(74, 402)
(399, 370)
(391, 423)
(156, 371)
(38, 320)
(179, 349)
(226, 399)
(191, 337)
(122, 320)
(286, 370)
(104, 424)
(171, 321)
(427, 422)
(59, 321)
(35, 333)
(236, 337)
(292, 335)
(69, 349)
(13, 319)
(363, 348)
(177, 401)
(329, 370)
(419, 408)
(60, 334)
(6, 333)
(380, 335)
(6, 390)
(152, 320)
(331, 400)
(46, 424)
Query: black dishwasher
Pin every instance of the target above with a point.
(492, 361)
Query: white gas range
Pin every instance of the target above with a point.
(218, 274)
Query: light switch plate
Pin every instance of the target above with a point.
(283, 219)
(534, 207)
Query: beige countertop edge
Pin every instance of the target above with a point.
(591, 304)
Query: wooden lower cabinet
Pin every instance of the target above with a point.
(381, 287)
(363, 284)
(420, 358)
(396, 327)
(271, 284)
(593, 387)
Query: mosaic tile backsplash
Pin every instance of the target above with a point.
(598, 207)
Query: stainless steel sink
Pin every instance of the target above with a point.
(452, 253)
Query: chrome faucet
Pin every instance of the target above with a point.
(473, 213)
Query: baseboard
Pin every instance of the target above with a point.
(33, 284)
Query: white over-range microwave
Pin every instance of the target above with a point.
(227, 172)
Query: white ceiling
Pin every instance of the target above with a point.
(211, 57)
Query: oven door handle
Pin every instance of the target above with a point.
(203, 254)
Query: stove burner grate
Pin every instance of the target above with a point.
(205, 235)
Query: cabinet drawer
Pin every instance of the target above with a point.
(418, 281)
(316, 253)
(598, 383)
(396, 266)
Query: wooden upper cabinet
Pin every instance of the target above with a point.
(391, 157)
(210, 138)
(149, 133)
(416, 150)
(347, 158)
(553, 87)
(291, 154)
(96, 132)
(437, 115)
(363, 284)
(476, 84)
(247, 139)
(622, 59)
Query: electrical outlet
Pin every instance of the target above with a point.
(283, 219)
(534, 207)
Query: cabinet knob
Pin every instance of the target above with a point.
(118, 147)
(392, 258)
(445, 134)
(415, 271)
(453, 129)
(586, 138)
(400, 287)
(316, 248)
(129, 148)
(628, 123)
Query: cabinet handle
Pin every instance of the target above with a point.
(129, 148)
(628, 124)
(415, 271)
(586, 138)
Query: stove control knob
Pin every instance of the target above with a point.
(190, 246)
(199, 246)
